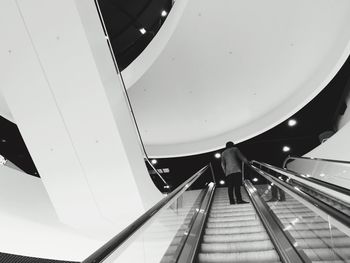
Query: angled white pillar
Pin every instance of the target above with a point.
(67, 100)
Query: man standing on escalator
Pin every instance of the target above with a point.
(231, 159)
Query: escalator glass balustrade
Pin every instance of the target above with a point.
(284, 221)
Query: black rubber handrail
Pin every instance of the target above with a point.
(189, 251)
(289, 157)
(331, 186)
(113, 244)
(282, 240)
(324, 207)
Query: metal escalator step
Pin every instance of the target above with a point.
(231, 214)
(331, 261)
(316, 233)
(269, 256)
(235, 238)
(286, 215)
(311, 227)
(337, 242)
(232, 208)
(328, 254)
(286, 210)
(304, 220)
(261, 245)
(232, 219)
(234, 230)
(233, 224)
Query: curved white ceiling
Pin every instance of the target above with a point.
(229, 69)
(4, 109)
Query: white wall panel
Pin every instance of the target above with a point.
(67, 100)
(29, 225)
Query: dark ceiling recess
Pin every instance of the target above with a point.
(125, 19)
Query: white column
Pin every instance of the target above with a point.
(63, 92)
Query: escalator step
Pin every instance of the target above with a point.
(234, 230)
(235, 238)
(328, 254)
(269, 256)
(233, 223)
(338, 242)
(232, 219)
(237, 247)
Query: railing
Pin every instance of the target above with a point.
(291, 158)
(283, 242)
(323, 174)
(303, 177)
(328, 212)
(112, 246)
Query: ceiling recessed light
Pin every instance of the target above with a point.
(292, 122)
(222, 182)
(164, 13)
(286, 148)
(217, 155)
(255, 179)
(154, 161)
(142, 31)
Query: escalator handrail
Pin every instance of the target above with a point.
(331, 186)
(289, 158)
(189, 251)
(338, 216)
(282, 240)
(113, 244)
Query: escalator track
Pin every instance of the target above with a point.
(234, 233)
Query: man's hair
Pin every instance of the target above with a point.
(230, 144)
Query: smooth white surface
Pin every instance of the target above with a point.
(67, 100)
(4, 109)
(29, 224)
(233, 69)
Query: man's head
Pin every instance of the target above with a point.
(230, 145)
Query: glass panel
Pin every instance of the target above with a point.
(316, 236)
(335, 199)
(332, 172)
(159, 240)
(330, 200)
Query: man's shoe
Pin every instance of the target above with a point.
(232, 203)
(242, 202)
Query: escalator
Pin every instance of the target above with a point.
(306, 225)
(234, 233)
(319, 241)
